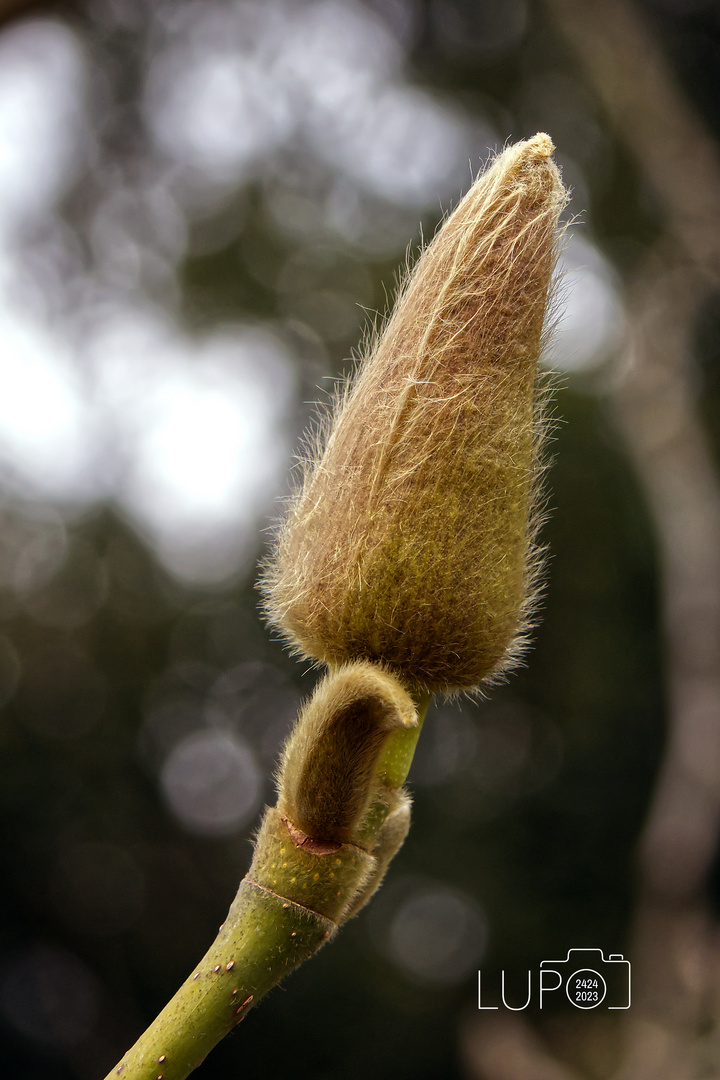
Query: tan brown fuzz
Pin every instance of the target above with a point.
(412, 539)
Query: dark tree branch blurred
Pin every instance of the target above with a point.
(672, 1029)
(16, 9)
(676, 154)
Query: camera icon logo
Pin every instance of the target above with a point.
(589, 979)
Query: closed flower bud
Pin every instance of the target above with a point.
(412, 540)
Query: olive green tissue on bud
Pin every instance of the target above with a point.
(388, 842)
(412, 540)
(327, 775)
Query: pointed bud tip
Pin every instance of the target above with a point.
(539, 148)
(529, 165)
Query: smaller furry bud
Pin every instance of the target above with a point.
(326, 779)
(388, 842)
(412, 541)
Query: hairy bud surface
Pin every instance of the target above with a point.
(412, 540)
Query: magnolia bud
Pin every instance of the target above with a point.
(412, 540)
(327, 774)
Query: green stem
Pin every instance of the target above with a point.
(261, 941)
(289, 904)
(396, 758)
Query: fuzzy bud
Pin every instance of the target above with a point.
(389, 840)
(411, 541)
(327, 773)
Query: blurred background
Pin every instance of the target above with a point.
(202, 207)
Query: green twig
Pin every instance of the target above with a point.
(292, 900)
(406, 559)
